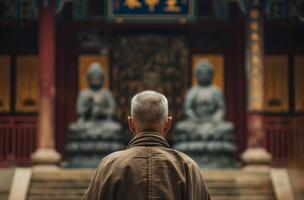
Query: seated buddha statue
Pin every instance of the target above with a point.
(95, 133)
(204, 133)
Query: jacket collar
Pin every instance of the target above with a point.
(148, 139)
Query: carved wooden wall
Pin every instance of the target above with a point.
(27, 83)
(218, 61)
(5, 69)
(276, 83)
(150, 61)
(299, 83)
(84, 62)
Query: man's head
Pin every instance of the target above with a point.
(149, 112)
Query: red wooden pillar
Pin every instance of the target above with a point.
(46, 153)
(255, 155)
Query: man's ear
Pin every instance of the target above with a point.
(131, 125)
(168, 124)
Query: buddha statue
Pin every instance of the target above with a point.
(204, 134)
(95, 133)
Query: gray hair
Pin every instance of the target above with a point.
(149, 107)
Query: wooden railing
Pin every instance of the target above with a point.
(283, 136)
(17, 139)
(284, 139)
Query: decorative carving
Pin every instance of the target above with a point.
(120, 11)
(255, 156)
(146, 61)
(254, 63)
(93, 39)
(172, 6)
(25, 9)
(132, 4)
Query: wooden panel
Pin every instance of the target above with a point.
(27, 83)
(299, 83)
(84, 63)
(276, 83)
(218, 61)
(5, 68)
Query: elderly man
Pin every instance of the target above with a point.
(148, 168)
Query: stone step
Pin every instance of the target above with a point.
(243, 197)
(71, 184)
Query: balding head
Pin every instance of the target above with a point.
(149, 109)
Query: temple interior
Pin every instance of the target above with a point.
(232, 71)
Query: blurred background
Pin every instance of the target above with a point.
(47, 46)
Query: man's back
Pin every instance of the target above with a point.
(148, 169)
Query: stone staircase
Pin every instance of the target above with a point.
(64, 184)
(239, 185)
(68, 184)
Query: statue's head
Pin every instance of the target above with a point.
(95, 76)
(204, 72)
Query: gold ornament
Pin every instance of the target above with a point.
(171, 6)
(132, 4)
(151, 4)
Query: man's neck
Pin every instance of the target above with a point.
(150, 131)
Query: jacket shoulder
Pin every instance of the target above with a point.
(186, 158)
(116, 157)
(112, 156)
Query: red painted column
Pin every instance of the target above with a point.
(46, 153)
(255, 157)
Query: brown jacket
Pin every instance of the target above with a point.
(147, 170)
